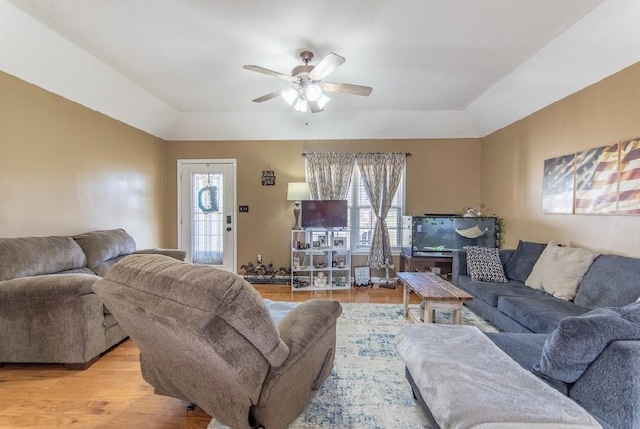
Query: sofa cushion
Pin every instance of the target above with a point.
(32, 256)
(519, 266)
(490, 292)
(100, 246)
(612, 281)
(483, 264)
(578, 341)
(525, 349)
(540, 313)
(559, 270)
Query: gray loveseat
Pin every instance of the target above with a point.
(48, 312)
(533, 320)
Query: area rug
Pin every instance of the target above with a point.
(367, 388)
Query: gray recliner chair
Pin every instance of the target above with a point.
(206, 337)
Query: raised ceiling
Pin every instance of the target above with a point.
(438, 68)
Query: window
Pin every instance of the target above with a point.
(362, 219)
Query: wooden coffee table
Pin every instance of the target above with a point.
(435, 293)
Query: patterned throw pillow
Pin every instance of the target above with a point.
(484, 265)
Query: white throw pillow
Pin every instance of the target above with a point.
(534, 280)
(559, 270)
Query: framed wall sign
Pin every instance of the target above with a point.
(268, 178)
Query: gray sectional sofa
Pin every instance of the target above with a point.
(48, 312)
(582, 332)
(610, 281)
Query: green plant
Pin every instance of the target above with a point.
(500, 231)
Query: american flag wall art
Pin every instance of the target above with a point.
(604, 180)
(558, 185)
(629, 191)
(597, 180)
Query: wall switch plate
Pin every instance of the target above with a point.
(243, 209)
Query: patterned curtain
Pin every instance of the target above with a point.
(381, 174)
(329, 174)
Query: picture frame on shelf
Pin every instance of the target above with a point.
(338, 242)
(362, 276)
(316, 244)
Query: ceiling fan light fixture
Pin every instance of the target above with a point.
(301, 105)
(313, 92)
(290, 95)
(307, 86)
(323, 100)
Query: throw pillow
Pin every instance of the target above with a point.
(579, 340)
(559, 270)
(521, 262)
(484, 265)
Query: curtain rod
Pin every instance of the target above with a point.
(361, 153)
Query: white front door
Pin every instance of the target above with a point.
(206, 215)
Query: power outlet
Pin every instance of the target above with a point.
(243, 209)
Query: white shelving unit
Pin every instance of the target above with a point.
(320, 259)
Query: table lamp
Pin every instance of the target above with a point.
(297, 191)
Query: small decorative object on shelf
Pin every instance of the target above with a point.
(474, 211)
(362, 276)
(320, 280)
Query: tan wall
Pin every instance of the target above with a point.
(443, 176)
(513, 158)
(66, 169)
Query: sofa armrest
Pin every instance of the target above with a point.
(458, 265)
(609, 388)
(47, 287)
(51, 318)
(173, 253)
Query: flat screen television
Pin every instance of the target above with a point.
(325, 214)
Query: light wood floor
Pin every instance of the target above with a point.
(112, 394)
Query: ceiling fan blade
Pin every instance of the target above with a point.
(326, 66)
(346, 88)
(269, 96)
(314, 106)
(267, 72)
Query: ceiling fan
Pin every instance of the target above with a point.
(306, 93)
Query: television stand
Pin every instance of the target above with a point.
(426, 263)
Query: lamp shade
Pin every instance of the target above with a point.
(298, 191)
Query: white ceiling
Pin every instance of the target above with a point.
(438, 68)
